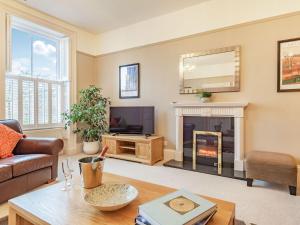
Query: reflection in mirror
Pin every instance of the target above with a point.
(213, 71)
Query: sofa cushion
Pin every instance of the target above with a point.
(23, 164)
(5, 172)
(8, 141)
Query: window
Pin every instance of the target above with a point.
(37, 84)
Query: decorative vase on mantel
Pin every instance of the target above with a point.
(204, 96)
(205, 99)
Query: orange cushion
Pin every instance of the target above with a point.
(8, 141)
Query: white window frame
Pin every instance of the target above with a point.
(63, 52)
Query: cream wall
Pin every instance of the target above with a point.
(86, 70)
(272, 119)
(203, 17)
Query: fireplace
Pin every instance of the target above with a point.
(226, 118)
(207, 149)
(209, 144)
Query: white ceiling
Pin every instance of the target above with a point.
(102, 15)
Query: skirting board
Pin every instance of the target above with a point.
(72, 150)
(172, 154)
(298, 180)
(239, 165)
(169, 154)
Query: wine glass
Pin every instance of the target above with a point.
(67, 174)
(70, 166)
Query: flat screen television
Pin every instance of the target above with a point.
(132, 120)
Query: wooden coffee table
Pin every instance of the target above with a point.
(50, 205)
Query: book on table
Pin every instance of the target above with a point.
(139, 220)
(177, 208)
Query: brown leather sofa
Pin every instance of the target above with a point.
(34, 163)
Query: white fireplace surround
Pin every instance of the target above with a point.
(215, 109)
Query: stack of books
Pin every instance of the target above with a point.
(178, 208)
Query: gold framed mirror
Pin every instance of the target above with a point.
(216, 70)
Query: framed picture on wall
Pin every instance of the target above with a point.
(288, 65)
(129, 81)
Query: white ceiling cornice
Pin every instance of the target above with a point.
(98, 16)
(204, 17)
(207, 16)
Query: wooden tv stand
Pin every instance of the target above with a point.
(135, 148)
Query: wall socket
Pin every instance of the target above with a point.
(165, 143)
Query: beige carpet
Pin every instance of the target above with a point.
(263, 204)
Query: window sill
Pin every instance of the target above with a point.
(43, 128)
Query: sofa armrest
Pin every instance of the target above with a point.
(50, 146)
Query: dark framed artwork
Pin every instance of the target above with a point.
(129, 81)
(288, 75)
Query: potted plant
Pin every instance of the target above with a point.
(89, 117)
(204, 96)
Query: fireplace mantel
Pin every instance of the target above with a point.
(211, 104)
(226, 109)
(214, 109)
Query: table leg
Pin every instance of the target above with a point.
(15, 219)
(12, 216)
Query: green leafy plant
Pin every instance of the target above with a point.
(203, 94)
(89, 114)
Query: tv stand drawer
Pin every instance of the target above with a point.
(142, 151)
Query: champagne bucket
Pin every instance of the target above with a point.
(91, 169)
